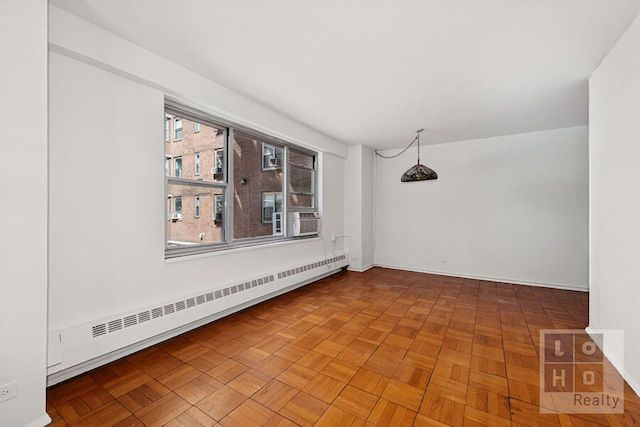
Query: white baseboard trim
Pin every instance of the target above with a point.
(616, 362)
(40, 422)
(360, 269)
(489, 279)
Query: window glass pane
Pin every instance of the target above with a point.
(195, 223)
(198, 152)
(301, 187)
(251, 180)
(301, 201)
(301, 159)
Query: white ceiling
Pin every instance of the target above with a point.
(372, 71)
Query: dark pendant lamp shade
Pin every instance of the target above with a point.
(419, 173)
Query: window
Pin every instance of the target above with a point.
(177, 129)
(271, 202)
(217, 210)
(256, 182)
(177, 167)
(166, 129)
(218, 163)
(271, 156)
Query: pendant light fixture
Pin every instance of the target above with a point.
(416, 172)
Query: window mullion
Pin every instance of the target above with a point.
(285, 191)
(229, 193)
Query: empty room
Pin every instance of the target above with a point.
(340, 213)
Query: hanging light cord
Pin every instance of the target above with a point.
(417, 138)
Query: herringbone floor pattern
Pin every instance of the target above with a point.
(380, 348)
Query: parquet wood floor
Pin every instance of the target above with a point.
(380, 348)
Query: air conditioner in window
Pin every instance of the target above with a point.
(305, 223)
(275, 162)
(217, 218)
(277, 223)
(176, 216)
(217, 173)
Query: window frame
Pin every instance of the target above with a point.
(226, 184)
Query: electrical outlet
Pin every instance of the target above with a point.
(8, 390)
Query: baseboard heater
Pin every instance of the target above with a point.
(79, 349)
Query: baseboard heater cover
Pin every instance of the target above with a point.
(74, 346)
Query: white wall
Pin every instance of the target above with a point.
(359, 207)
(107, 182)
(23, 216)
(614, 152)
(510, 208)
